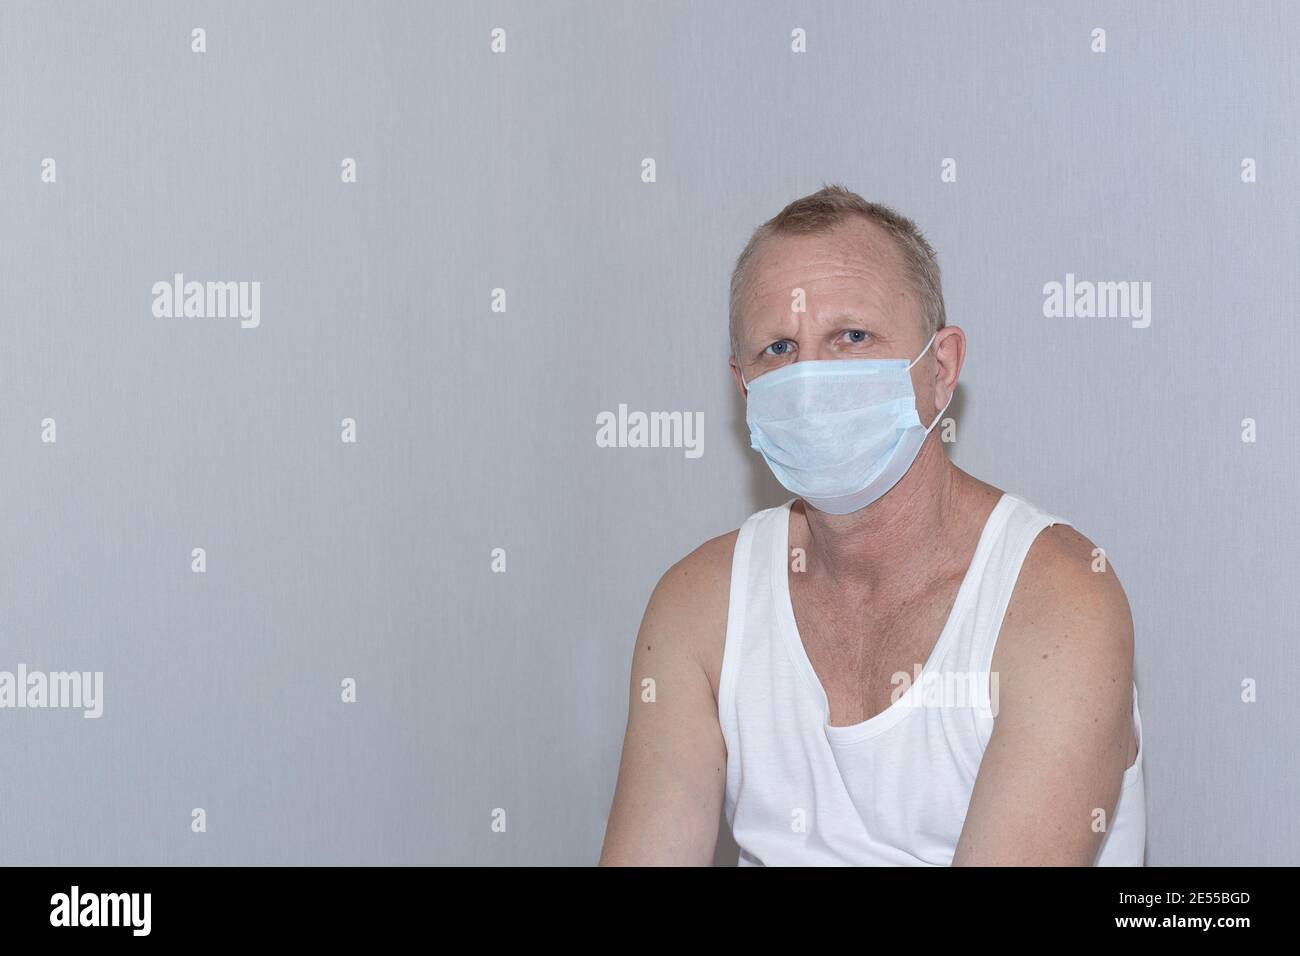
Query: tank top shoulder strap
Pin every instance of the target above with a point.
(749, 605)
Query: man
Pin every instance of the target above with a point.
(813, 670)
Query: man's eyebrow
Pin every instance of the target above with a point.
(846, 316)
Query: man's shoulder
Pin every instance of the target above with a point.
(1064, 656)
(689, 604)
(1068, 612)
(1065, 569)
(699, 581)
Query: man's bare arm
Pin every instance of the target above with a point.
(668, 800)
(1063, 734)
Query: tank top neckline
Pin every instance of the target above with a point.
(900, 708)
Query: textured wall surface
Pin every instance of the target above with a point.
(129, 439)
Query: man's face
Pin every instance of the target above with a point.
(859, 302)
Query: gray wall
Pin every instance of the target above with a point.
(476, 430)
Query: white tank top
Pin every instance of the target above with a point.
(892, 790)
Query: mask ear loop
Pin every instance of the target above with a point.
(923, 351)
(941, 411)
(950, 395)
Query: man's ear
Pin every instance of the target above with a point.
(737, 377)
(950, 353)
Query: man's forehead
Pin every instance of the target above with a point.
(842, 274)
(853, 254)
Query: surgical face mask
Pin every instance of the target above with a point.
(838, 433)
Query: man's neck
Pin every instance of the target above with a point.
(898, 543)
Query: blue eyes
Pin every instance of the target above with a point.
(852, 337)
